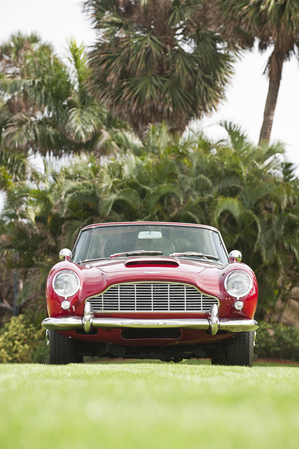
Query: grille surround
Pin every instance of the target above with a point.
(152, 297)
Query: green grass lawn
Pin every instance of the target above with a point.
(148, 405)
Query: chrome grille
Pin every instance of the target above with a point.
(152, 297)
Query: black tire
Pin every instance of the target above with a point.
(63, 350)
(239, 351)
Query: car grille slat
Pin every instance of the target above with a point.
(152, 297)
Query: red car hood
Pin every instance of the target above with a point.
(205, 275)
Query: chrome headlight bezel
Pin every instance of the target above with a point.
(71, 292)
(246, 280)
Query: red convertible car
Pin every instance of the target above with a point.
(151, 290)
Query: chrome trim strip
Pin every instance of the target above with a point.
(63, 323)
(71, 323)
(213, 320)
(238, 325)
(202, 324)
(88, 317)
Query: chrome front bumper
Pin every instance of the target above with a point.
(211, 324)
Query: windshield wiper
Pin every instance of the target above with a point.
(194, 254)
(137, 253)
(91, 260)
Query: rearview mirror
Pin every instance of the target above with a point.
(150, 235)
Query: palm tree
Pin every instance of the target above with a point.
(84, 115)
(156, 61)
(13, 52)
(257, 210)
(276, 25)
(33, 95)
(45, 105)
(30, 235)
(135, 185)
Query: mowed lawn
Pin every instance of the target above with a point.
(148, 405)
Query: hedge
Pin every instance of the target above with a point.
(277, 341)
(20, 342)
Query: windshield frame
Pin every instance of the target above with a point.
(161, 224)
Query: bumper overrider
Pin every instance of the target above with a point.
(212, 324)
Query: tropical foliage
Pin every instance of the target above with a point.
(157, 60)
(44, 104)
(247, 192)
(177, 69)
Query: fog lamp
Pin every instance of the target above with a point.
(239, 305)
(65, 305)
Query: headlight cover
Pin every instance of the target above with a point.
(66, 283)
(238, 283)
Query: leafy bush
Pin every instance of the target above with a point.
(20, 342)
(277, 341)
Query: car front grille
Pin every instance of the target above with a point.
(152, 297)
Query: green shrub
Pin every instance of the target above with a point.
(20, 342)
(277, 341)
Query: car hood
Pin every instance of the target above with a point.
(123, 263)
(206, 275)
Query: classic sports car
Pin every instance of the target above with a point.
(151, 290)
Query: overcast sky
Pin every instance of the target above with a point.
(58, 20)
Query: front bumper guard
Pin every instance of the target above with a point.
(212, 324)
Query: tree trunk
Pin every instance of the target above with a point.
(275, 64)
(15, 293)
(269, 111)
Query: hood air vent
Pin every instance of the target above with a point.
(142, 262)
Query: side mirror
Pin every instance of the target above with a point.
(65, 254)
(235, 256)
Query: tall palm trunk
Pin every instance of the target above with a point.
(269, 110)
(275, 64)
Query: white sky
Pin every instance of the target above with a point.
(58, 20)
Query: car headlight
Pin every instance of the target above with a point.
(238, 283)
(66, 283)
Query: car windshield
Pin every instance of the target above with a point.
(128, 240)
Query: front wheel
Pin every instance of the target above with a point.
(239, 351)
(62, 349)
